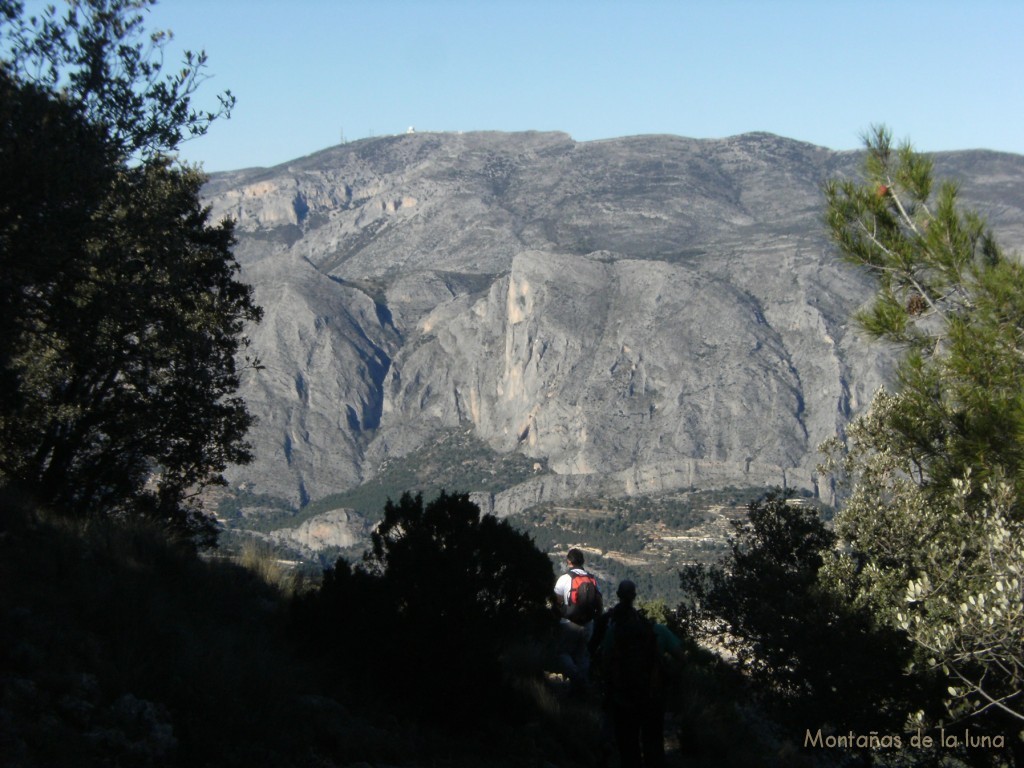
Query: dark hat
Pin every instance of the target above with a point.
(626, 590)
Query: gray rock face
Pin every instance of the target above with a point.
(337, 528)
(644, 314)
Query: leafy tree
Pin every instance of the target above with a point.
(122, 313)
(439, 596)
(817, 658)
(487, 571)
(932, 526)
(99, 58)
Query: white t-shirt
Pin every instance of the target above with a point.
(564, 585)
(562, 589)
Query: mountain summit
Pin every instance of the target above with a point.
(631, 315)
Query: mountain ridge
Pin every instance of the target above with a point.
(641, 314)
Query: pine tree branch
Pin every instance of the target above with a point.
(899, 205)
(905, 274)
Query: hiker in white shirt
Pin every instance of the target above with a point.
(579, 603)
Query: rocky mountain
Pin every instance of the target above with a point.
(632, 316)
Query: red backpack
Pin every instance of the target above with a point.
(585, 601)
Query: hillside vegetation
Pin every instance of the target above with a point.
(120, 648)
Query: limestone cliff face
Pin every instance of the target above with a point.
(337, 528)
(602, 366)
(644, 314)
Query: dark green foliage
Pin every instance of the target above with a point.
(815, 657)
(480, 572)
(126, 369)
(55, 169)
(122, 311)
(932, 524)
(454, 459)
(442, 592)
(952, 299)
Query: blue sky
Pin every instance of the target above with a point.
(946, 75)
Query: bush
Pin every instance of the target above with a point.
(440, 595)
(816, 658)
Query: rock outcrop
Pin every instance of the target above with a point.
(641, 314)
(338, 528)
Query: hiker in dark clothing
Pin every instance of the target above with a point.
(631, 658)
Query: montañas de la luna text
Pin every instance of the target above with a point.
(876, 740)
